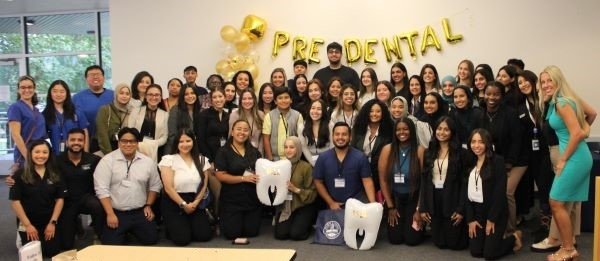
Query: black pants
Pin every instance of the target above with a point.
(67, 224)
(50, 247)
(443, 231)
(184, 228)
(543, 175)
(299, 224)
(493, 246)
(132, 221)
(239, 223)
(403, 233)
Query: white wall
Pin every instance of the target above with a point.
(165, 36)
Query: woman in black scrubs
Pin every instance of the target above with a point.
(240, 210)
(37, 198)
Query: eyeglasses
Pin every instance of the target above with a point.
(128, 142)
(153, 95)
(94, 74)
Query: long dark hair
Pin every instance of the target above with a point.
(261, 103)
(195, 151)
(400, 66)
(436, 82)
(489, 153)
(68, 107)
(136, 80)
(362, 120)
(29, 167)
(323, 138)
(415, 167)
(183, 115)
(431, 119)
(434, 145)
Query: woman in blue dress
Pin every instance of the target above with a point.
(62, 116)
(566, 117)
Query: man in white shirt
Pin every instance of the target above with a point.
(127, 184)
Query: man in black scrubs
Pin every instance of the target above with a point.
(77, 168)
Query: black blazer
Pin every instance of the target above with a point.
(210, 130)
(454, 185)
(506, 132)
(466, 121)
(380, 141)
(493, 181)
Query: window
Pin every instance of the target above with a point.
(50, 47)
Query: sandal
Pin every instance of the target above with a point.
(570, 254)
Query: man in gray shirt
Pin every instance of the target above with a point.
(127, 184)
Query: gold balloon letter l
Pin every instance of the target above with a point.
(448, 32)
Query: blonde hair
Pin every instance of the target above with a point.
(563, 90)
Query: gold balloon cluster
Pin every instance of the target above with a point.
(239, 50)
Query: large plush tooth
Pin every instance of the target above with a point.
(361, 220)
(273, 178)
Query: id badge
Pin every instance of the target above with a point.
(289, 196)
(148, 138)
(399, 178)
(61, 146)
(340, 183)
(464, 146)
(127, 183)
(222, 141)
(438, 184)
(86, 166)
(314, 158)
(248, 173)
(535, 144)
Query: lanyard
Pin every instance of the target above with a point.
(128, 164)
(61, 124)
(285, 125)
(403, 158)
(530, 115)
(441, 166)
(249, 167)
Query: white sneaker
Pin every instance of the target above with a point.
(545, 246)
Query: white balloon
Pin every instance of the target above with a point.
(364, 219)
(272, 176)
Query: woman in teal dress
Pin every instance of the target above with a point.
(566, 117)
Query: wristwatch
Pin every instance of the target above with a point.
(182, 204)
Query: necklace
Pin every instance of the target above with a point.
(491, 116)
(404, 151)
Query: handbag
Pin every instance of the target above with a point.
(329, 229)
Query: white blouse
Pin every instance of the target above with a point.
(186, 179)
(475, 188)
